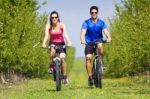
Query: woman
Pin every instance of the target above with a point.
(56, 31)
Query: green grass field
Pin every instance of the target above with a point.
(122, 88)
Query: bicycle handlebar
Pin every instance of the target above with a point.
(56, 46)
(93, 43)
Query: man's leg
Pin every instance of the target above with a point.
(101, 51)
(89, 64)
(89, 68)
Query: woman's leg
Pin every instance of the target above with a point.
(63, 62)
(64, 67)
(52, 53)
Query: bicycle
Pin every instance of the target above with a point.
(57, 73)
(97, 66)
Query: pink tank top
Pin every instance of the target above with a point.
(56, 36)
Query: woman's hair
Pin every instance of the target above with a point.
(50, 18)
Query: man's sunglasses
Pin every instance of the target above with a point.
(94, 12)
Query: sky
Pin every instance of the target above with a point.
(74, 12)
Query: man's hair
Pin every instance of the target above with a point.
(94, 7)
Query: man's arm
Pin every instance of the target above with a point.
(82, 36)
(107, 33)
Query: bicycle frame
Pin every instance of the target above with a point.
(57, 67)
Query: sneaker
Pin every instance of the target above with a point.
(65, 79)
(90, 81)
(51, 69)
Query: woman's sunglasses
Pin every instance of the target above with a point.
(54, 17)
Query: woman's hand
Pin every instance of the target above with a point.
(69, 44)
(44, 46)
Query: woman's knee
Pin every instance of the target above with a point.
(62, 55)
(52, 53)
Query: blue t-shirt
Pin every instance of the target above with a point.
(93, 30)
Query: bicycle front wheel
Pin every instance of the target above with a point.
(58, 75)
(98, 78)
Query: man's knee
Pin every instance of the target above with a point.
(88, 59)
(100, 47)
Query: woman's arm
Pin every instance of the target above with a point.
(66, 35)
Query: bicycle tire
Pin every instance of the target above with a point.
(58, 75)
(98, 74)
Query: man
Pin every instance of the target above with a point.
(91, 31)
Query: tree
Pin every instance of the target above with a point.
(129, 52)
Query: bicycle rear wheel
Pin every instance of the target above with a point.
(98, 74)
(58, 75)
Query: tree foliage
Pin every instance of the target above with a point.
(21, 35)
(129, 53)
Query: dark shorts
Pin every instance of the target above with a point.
(90, 49)
(60, 50)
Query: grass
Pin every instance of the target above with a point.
(77, 88)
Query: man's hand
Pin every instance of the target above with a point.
(109, 40)
(83, 42)
(82, 36)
